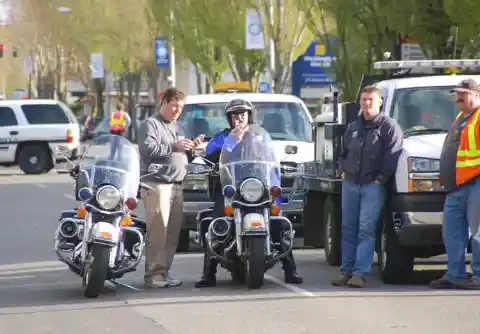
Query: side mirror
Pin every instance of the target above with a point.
(153, 168)
(291, 149)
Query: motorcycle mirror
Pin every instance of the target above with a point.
(153, 168)
(291, 149)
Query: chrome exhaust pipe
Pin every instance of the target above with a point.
(219, 227)
(69, 227)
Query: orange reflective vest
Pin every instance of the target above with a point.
(468, 153)
(117, 121)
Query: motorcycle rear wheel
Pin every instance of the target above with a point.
(96, 274)
(255, 262)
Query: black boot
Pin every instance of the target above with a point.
(290, 269)
(208, 278)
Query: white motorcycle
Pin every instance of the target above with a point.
(102, 242)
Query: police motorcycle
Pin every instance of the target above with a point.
(100, 241)
(253, 235)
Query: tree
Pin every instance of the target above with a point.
(286, 27)
(191, 34)
(363, 31)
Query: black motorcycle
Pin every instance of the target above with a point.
(253, 235)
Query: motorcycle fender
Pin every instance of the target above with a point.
(104, 233)
(68, 214)
(254, 223)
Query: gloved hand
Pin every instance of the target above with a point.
(74, 171)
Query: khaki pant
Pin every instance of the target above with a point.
(164, 218)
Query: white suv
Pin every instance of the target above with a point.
(30, 131)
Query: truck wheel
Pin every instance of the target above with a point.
(35, 159)
(332, 231)
(395, 262)
(183, 242)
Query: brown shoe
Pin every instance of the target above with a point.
(342, 280)
(357, 281)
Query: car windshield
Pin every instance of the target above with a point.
(282, 120)
(425, 108)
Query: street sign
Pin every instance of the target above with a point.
(96, 65)
(162, 58)
(313, 68)
(264, 87)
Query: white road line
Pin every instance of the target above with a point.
(17, 277)
(142, 302)
(40, 285)
(69, 196)
(290, 287)
(40, 185)
(27, 265)
(33, 270)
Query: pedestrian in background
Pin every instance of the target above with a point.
(159, 142)
(459, 171)
(372, 145)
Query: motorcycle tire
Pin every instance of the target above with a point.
(97, 272)
(255, 262)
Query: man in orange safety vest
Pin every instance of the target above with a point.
(460, 176)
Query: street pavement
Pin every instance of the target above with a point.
(39, 295)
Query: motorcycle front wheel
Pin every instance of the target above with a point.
(255, 262)
(97, 272)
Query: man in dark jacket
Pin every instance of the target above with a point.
(239, 114)
(371, 147)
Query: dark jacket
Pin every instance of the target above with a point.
(371, 150)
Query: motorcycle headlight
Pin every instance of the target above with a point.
(108, 197)
(416, 165)
(251, 190)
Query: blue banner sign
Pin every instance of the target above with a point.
(162, 58)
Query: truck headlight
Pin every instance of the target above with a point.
(195, 182)
(416, 165)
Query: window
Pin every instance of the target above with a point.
(7, 117)
(283, 120)
(425, 108)
(45, 114)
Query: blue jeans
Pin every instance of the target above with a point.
(361, 209)
(461, 211)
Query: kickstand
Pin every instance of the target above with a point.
(117, 283)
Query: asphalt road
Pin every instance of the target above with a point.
(39, 295)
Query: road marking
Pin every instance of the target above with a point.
(40, 185)
(69, 196)
(33, 270)
(39, 285)
(17, 277)
(144, 302)
(290, 287)
(27, 265)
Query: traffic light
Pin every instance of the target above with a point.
(1, 50)
(15, 52)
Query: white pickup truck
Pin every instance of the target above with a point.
(30, 130)
(411, 226)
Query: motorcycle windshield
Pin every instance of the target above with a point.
(249, 153)
(111, 160)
